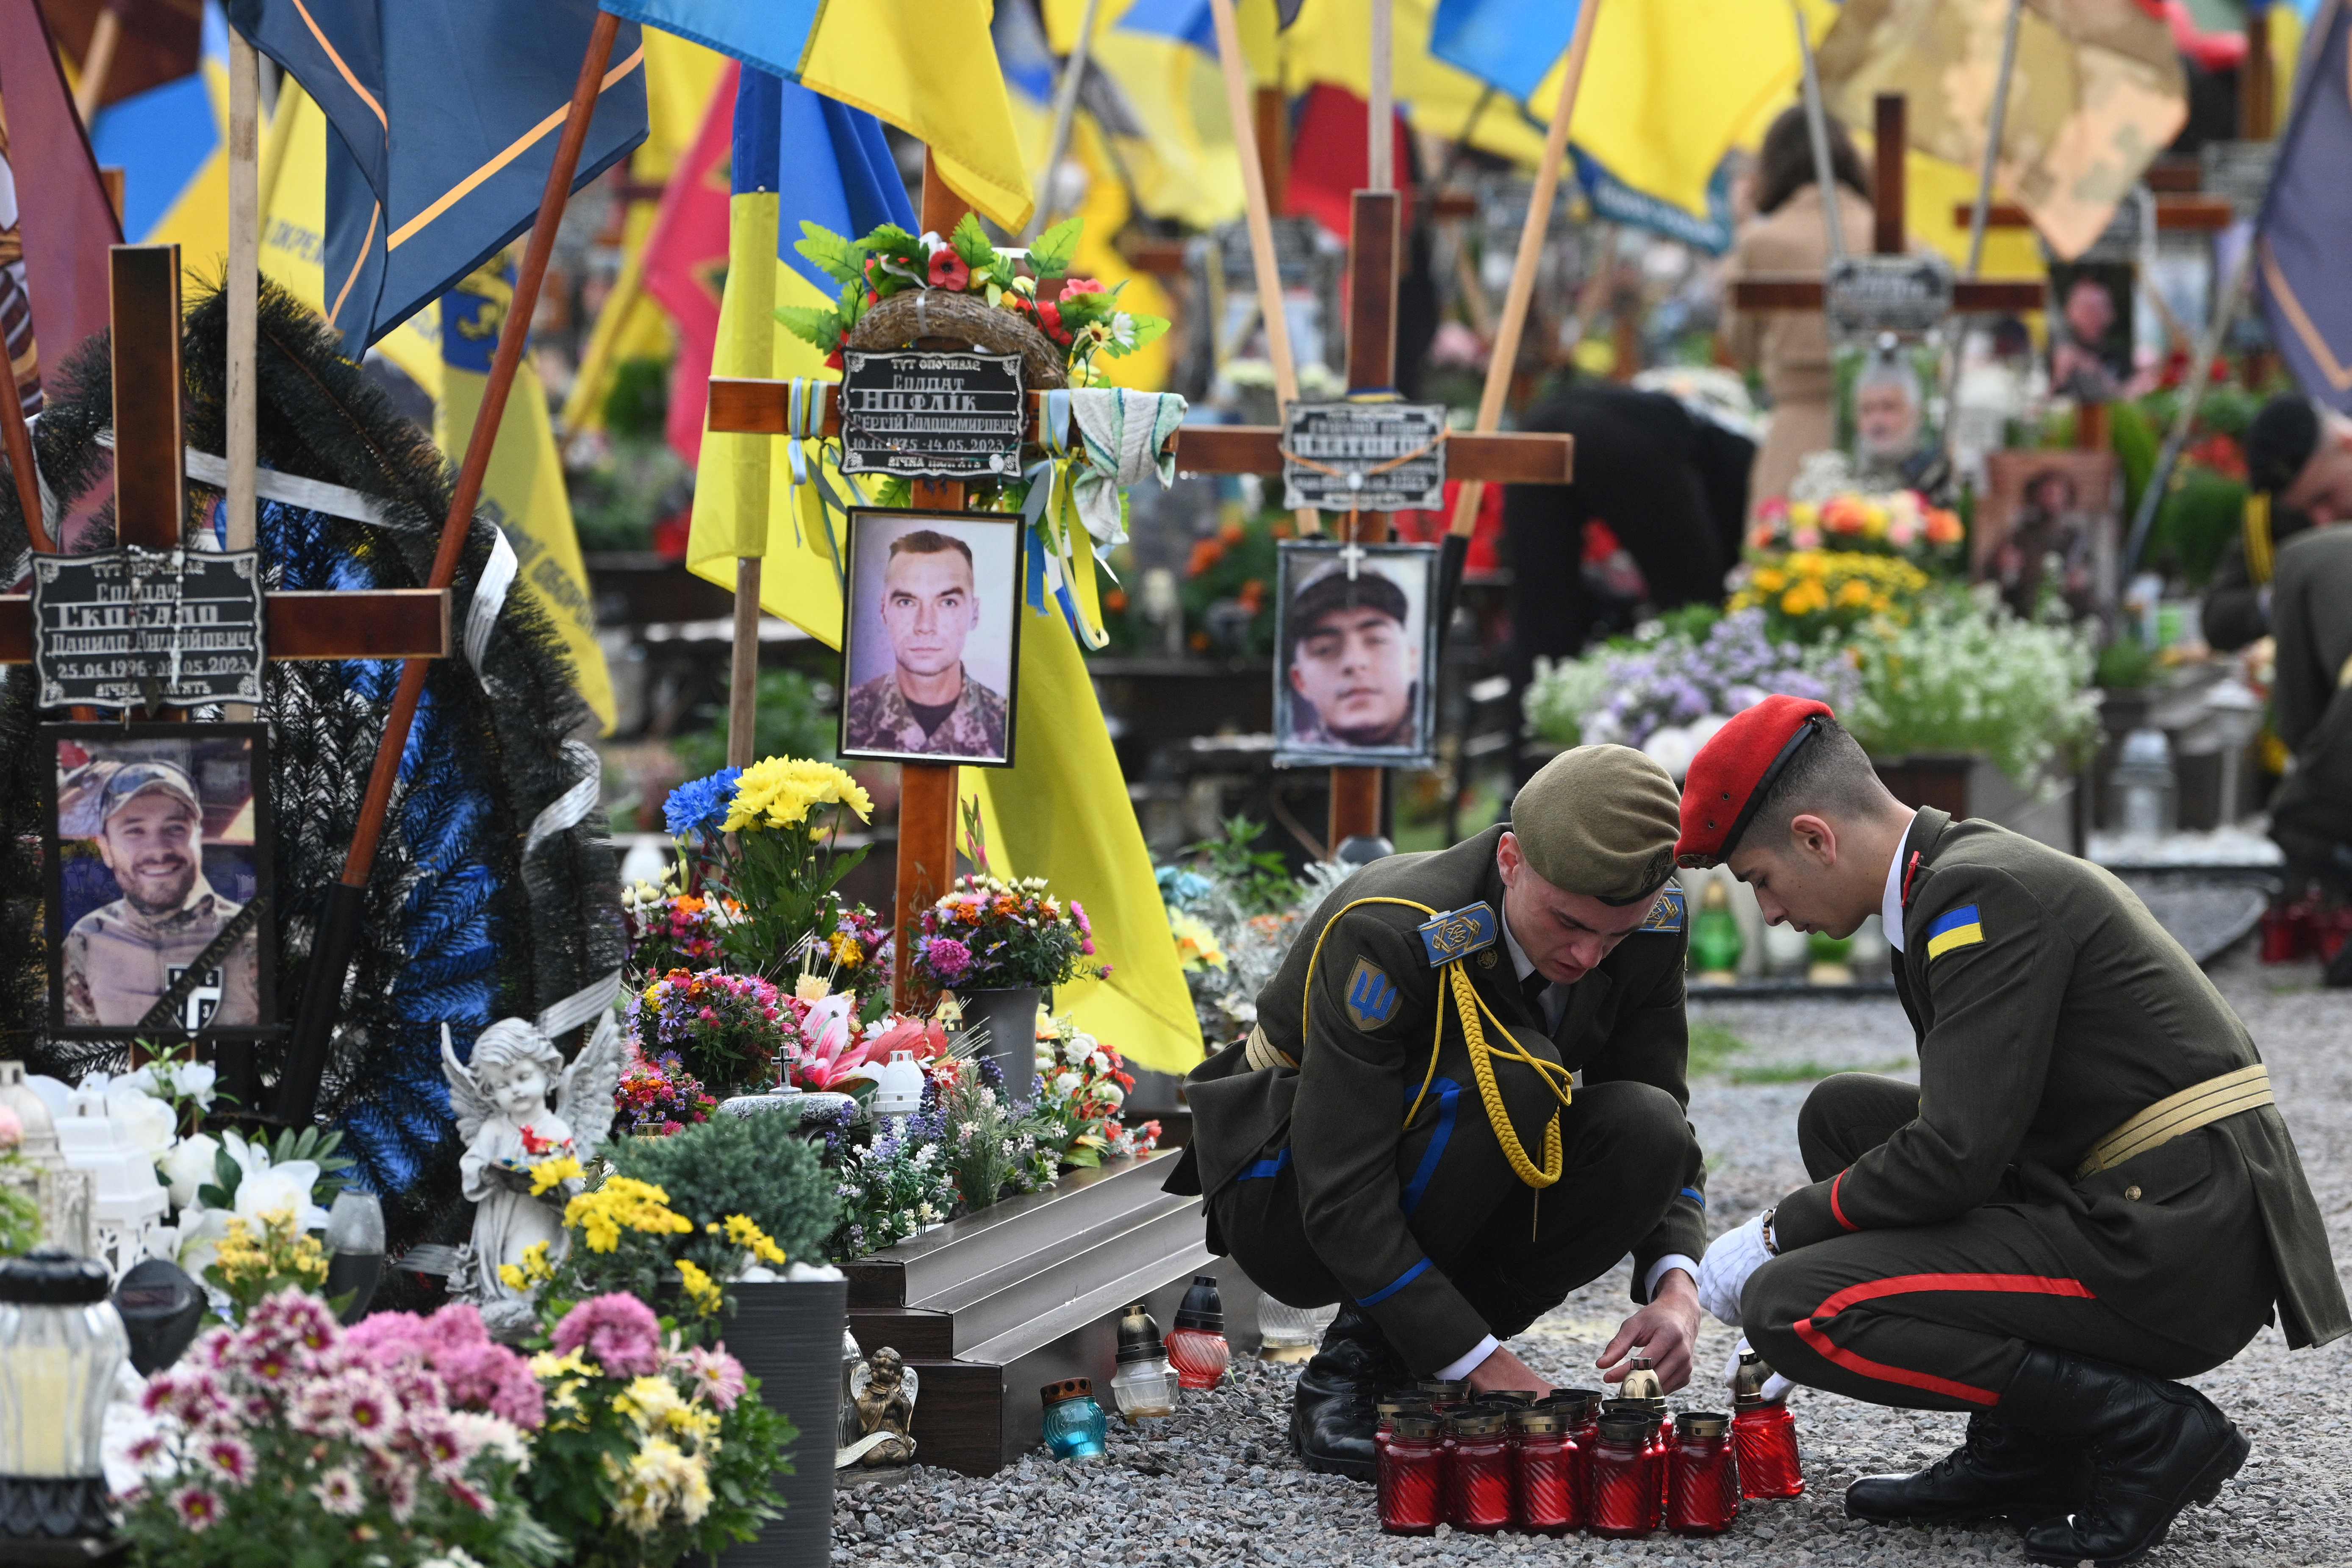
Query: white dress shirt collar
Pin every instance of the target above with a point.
(1890, 909)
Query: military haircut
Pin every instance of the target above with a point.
(1829, 776)
(930, 541)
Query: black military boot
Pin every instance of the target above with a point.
(2155, 1447)
(1331, 1410)
(2001, 1471)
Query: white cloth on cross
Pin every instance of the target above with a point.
(1123, 433)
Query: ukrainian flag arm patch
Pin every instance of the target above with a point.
(1955, 927)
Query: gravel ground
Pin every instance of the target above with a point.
(1217, 1484)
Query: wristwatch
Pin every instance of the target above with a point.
(1770, 1244)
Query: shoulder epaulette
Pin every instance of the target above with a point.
(1666, 914)
(1458, 933)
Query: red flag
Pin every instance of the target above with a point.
(66, 221)
(1330, 159)
(685, 262)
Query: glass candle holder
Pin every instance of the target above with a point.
(1479, 1472)
(1075, 1427)
(1545, 1505)
(1624, 1487)
(1197, 1347)
(1765, 1438)
(1144, 1386)
(1412, 1476)
(1704, 1495)
(1287, 1333)
(1582, 1407)
(61, 1344)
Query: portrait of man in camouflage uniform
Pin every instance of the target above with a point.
(927, 703)
(121, 957)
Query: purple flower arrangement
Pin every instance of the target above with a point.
(1627, 692)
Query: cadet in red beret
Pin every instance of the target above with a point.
(2088, 1196)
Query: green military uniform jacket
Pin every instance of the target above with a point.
(2051, 1008)
(1340, 1112)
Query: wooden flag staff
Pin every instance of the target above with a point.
(1263, 259)
(1504, 355)
(337, 934)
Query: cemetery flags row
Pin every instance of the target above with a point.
(921, 65)
(2306, 222)
(479, 87)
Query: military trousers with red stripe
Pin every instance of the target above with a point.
(1939, 1317)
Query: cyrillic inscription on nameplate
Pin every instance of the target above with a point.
(136, 628)
(1364, 456)
(1888, 293)
(920, 415)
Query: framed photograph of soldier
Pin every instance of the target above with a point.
(2091, 329)
(159, 884)
(2050, 522)
(932, 639)
(1355, 653)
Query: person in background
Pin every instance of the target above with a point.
(1790, 232)
(2300, 455)
(1668, 484)
(2310, 610)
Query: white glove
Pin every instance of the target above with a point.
(1722, 1273)
(1776, 1387)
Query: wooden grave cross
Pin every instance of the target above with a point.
(1499, 458)
(1970, 296)
(150, 476)
(150, 489)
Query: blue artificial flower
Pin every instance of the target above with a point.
(700, 805)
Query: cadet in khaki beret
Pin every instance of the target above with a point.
(1382, 1138)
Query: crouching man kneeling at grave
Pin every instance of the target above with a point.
(1400, 1133)
(2088, 1196)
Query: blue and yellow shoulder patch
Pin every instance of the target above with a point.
(1458, 933)
(1666, 914)
(1954, 928)
(1371, 995)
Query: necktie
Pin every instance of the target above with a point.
(1533, 988)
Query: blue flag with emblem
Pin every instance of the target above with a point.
(446, 114)
(2305, 294)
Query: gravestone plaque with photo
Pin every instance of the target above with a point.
(1364, 456)
(922, 414)
(136, 627)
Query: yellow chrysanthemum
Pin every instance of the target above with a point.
(780, 792)
(548, 1175)
(744, 1233)
(701, 1289)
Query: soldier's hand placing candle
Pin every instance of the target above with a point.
(1666, 1331)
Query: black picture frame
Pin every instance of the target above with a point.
(1413, 570)
(200, 751)
(998, 539)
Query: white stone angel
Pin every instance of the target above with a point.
(501, 1102)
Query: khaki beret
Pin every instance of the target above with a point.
(1601, 821)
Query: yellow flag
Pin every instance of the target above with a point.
(928, 67)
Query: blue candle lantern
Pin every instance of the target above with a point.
(1075, 1427)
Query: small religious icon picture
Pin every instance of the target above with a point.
(2048, 531)
(159, 882)
(2091, 329)
(1355, 653)
(931, 653)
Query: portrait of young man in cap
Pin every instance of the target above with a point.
(1353, 675)
(930, 655)
(145, 818)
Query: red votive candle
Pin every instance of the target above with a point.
(1765, 1437)
(1412, 1476)
(1704, 1490)
(1478, 1467)
(1624, 1489)
(1546, 1504)
(1582, 1407)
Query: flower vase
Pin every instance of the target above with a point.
(787, 1333)
(1010, 1016)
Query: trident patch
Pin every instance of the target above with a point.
(1371, 995)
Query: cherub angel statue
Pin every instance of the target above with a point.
(501, 1102)
(882, 1391)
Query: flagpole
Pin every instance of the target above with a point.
(1380, 108)
(97, 63)
(1066, 110)
(1261, 220)
(338, 932)
(1504, 357)
(1981, 214)
(244, 285)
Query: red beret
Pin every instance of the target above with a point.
(1735, 771)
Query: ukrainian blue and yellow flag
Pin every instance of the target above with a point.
(1954, 929)
(478, 91)
(924, 66)
(1174, 138)
(171, 144)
